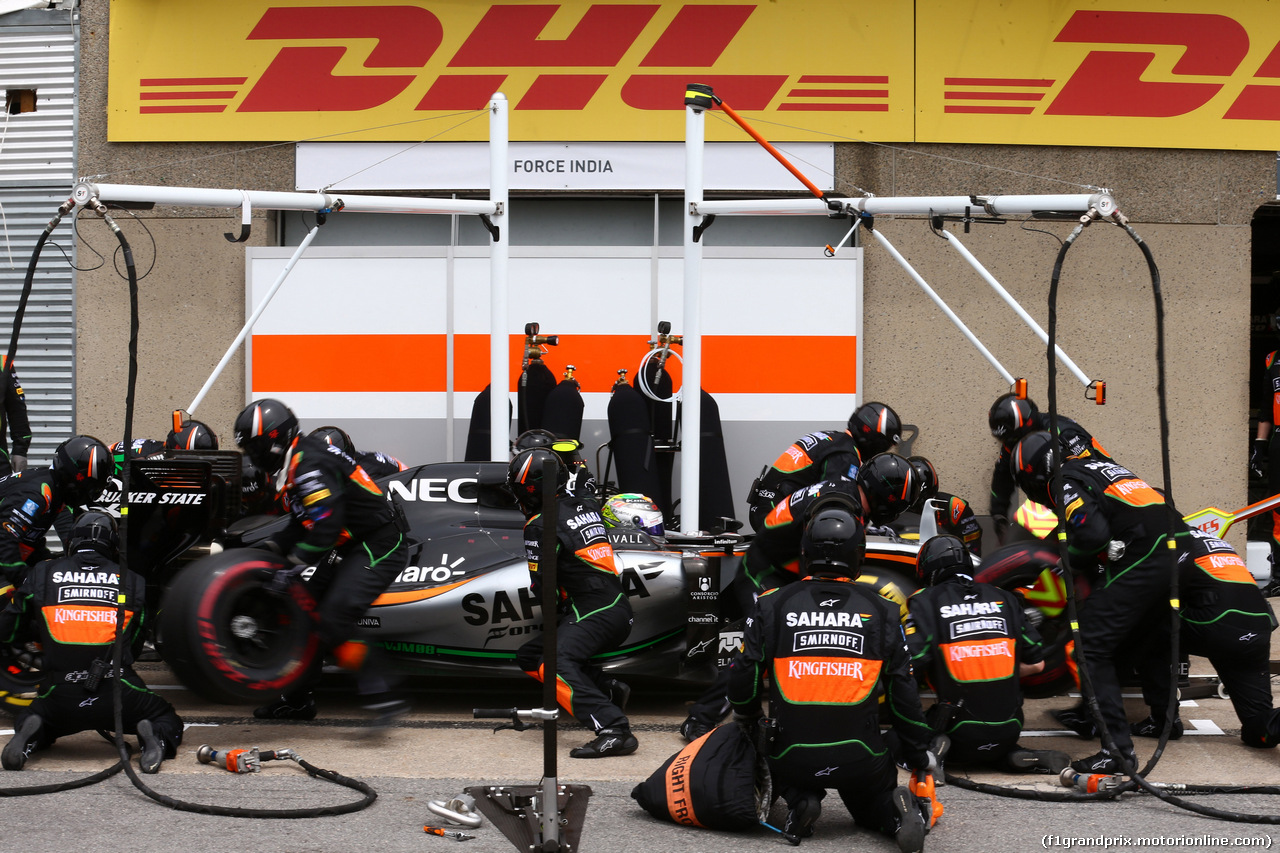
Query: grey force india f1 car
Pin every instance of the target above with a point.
(463, 605)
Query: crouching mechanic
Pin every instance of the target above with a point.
(343, 524)
(972, 643)
(72, 604)
(595, 615)
(830, 649)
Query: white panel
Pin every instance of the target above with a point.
(648, 166)
(399, 295)
(39, 147)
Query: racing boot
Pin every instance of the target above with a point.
(607, 743)
(301, 706)
(23, 743)
(1037, 760)
(1077, 719)
(910, 821)
(1153, 725)
(1105, 762)
(802, 813)
(386, 710)
(152, 748)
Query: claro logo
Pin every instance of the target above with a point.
(1133, 81)
(396, 43)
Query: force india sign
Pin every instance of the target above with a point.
(1156, 73)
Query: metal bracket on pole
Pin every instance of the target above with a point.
(246, 221)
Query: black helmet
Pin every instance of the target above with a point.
(941, 558)
(336, 436)
(875, 428)
(839, 493)
(1010, 418)
(192, 435)
(534, 438)
(95, 531)
(81, 466)
(524, 476)
(265, 430)
(833, 542)
(927, 476)
(140, 448)
(891, 485)
(1031, 464)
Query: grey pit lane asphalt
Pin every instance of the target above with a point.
(439, 749)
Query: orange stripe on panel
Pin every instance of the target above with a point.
(351, 363)
(750, 364)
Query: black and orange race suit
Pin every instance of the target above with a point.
(773, 558)
(71, 603)
(1107, 503)
(29, 505)
(831, 649)
(1075, 439)
(1226, 619)
(335, 506)
(377, 464)
(594, 615)
(812, 458)
(13, 417)
(968, 638)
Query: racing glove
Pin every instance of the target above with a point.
(17, 462)
(1261, 447)
(282, 579)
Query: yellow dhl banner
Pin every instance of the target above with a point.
(571, 70)
(1155, 73)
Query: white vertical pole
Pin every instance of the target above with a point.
(691, 386)
(499, 363)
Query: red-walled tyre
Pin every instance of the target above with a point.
(230, 640)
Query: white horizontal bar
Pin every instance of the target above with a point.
(348, 203)
(959, 205)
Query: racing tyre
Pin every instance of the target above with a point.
(228, 638)
(19, 681)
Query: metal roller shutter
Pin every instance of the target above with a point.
(37, 171)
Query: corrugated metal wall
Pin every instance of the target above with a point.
(37, 172)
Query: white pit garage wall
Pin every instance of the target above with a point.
(390, 341)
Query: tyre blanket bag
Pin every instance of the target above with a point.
(711, 783)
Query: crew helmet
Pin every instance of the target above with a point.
(192, 435)
(1031, 464)
(942, 558)
(95, 531)
(927, 476)
(630, 509)
(337, 436)
(833, 542)
(265, 430)
(875, 428)
(891, 485)
(81, 466)
(1011, 417)
(525, 476)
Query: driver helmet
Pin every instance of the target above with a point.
(630, 509)
(81, 466)
(265, 430)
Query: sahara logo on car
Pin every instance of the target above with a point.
(518, 606)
